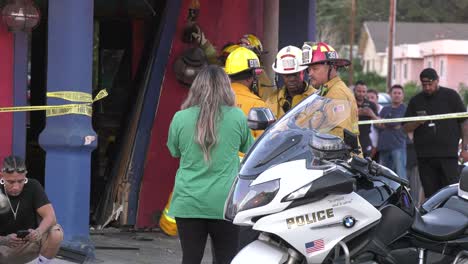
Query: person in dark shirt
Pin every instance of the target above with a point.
(29, 212)
(436, 141)
(392, 138)
(367, 110)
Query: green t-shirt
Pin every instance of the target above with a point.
(201, 189)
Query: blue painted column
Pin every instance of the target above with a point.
(311, 21)
(296, 22)
(20, 86)
(68, 155)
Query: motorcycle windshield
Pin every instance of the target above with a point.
(288, 138)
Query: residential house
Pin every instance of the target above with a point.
(374, 40)
(448, 57)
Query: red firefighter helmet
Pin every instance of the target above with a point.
(321, 53)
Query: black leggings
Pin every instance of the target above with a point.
(193, 233)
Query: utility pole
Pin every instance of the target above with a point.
(351, 41)
(271, 31)
(391, 42)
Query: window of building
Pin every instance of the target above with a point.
(441, 68)
(429, 64)
(393, 72)
(405, 71)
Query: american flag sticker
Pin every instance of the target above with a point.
(314, 246)
(338, 108)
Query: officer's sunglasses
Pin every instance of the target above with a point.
(427, 82)
(12, 182)
(12, 170)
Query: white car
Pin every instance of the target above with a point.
(384, 99)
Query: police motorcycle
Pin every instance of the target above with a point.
(314, 202)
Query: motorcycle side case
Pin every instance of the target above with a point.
(261, 252)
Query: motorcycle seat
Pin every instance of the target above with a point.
(458, 204)
(440, 224)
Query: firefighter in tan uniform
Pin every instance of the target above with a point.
(265, 86)
(288, 65)
(243, 67)
(323, 63)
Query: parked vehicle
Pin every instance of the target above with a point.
(385, 99)
(314, 201)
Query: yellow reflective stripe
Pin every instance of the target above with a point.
(415, 118)
(167, 217)
(355, 128)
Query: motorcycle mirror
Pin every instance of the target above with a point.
(260, 118)
(350, 139)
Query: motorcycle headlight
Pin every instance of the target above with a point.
(243, 196)
(300, 193)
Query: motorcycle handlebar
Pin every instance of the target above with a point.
(387, 173)
(368, 166)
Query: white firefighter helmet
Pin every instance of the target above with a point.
(288, 60)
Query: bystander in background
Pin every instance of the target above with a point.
(392, 137)
(436, 141)
(366, 111)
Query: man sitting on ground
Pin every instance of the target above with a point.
(30, 215)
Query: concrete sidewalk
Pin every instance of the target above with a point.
(115, 247)
(154, 247)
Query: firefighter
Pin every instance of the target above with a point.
(288, 65)
(265, 86)
(243, 67)
(323, 63)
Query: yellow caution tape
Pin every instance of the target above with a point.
(84, 108)
(77, 110)
(80, 97)
(415, 118)
(36, 108)
(103, 93)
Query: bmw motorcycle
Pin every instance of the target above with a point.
(314, 200)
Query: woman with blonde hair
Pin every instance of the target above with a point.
(207, 135)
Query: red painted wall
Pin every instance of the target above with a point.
(138, 42)
(6, 89)
(222, 21)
